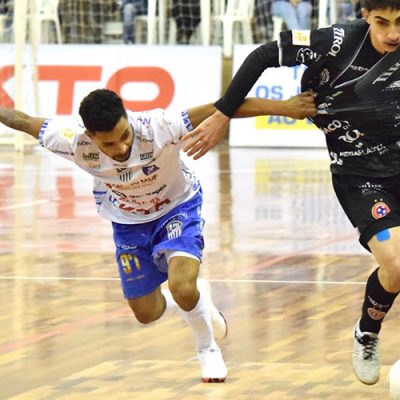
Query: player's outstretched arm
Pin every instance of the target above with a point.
(297, 107)
(210, 126)
(21, 122)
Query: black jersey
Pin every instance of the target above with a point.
(357, 90)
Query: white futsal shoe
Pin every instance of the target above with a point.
(218, 321)
(366, 364)
(213, 369)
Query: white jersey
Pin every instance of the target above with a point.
(149, 184)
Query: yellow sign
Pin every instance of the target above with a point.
(275, 122)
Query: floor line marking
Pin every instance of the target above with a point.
(22, 205)
(82, 278)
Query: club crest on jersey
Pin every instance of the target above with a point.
(124, 174)
(174, 229)
(150, 169)
(68, 134)
(380, 210)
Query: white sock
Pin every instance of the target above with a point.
(199, 319)
(170, 308)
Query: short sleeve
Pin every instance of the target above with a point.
(60, 136)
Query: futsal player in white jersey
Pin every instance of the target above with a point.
(153, 201)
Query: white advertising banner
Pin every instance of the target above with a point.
(146, 77)
(273, 131)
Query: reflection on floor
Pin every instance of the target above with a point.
(284, 263)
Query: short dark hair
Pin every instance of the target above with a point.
(370, 5)
(101, 110)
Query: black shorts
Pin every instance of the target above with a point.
(371, 204)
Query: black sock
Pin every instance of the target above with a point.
(377, 303)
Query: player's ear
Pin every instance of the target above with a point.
(365, 14)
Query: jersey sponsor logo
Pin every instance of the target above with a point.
(387, 74)
(62, 153)
(394, 86)
(379, 148)
(335, 158)
(146, 156)
(349, 136)
(144, 120)
(305, 55)
(143, 139)
(174, 229)
(150, 169)
(91, 156)
(380, 209)
(83, 143)
(68, 134)
(93, 167)
(369, 188)
(127, 247)
(157, 205)
(359, 69)
(301, 38)
(338, 35)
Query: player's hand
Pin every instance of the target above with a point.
(301, 106)
(206, 135)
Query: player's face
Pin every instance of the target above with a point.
(385, 29)
(116, 144)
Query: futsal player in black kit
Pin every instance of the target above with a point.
(354, 71)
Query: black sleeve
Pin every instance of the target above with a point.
(256, 62)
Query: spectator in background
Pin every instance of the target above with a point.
(357, 8)
(6, 13)
(345, 11)
(131, 9)
(295, 13)
(187, 17)
(3, 7)
(82, 21)
(264, 25)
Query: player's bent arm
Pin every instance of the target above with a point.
(20, 121)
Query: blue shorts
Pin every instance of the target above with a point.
(140, 248)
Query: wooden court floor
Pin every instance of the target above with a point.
(284, 264)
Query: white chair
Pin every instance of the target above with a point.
(151, 21)
(278, 26)
(112, 32)
(236, 14)
(146, 27)
(47, 12)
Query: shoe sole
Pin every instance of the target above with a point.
(369, 383)
(213, 380)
